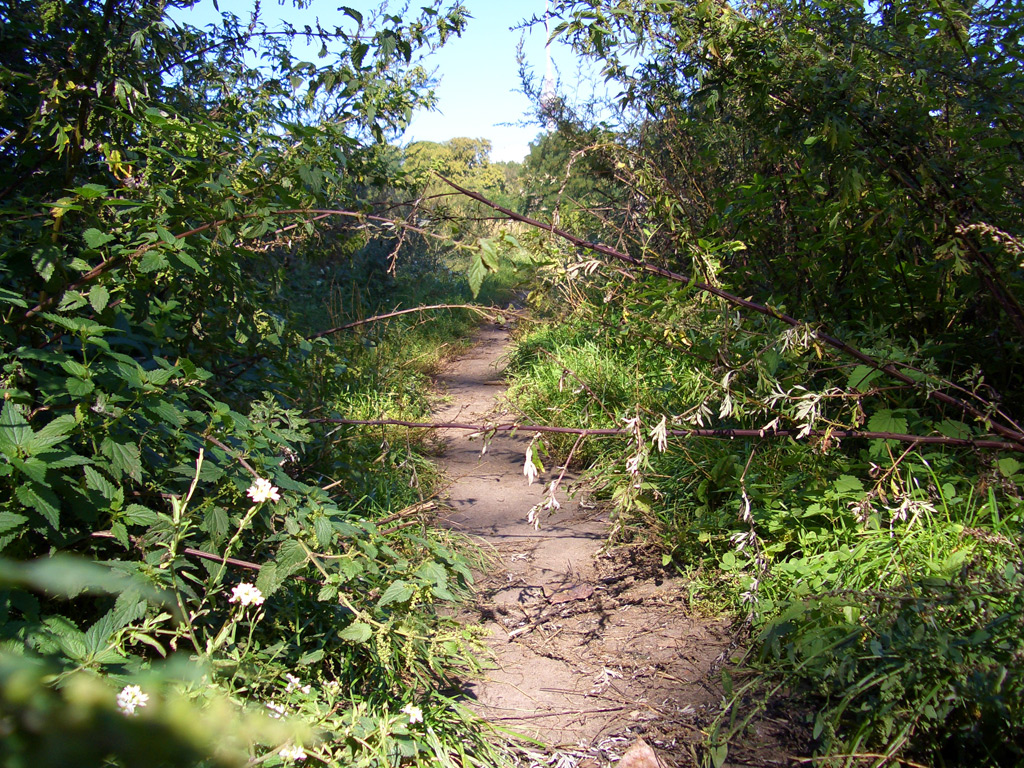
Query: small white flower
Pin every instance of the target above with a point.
(262, 490)
(294, 684)
(659, 435)
(276, 710)
(633, 464)
(293, 753)
(415, 713)
(529, 468)
(130, 697)
(246, 594)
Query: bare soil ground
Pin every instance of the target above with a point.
(593, 647)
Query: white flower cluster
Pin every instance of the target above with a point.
(246, 594)
(414, 713)
(294, 684)
(262, 490)
(293, 753)
(131, 697)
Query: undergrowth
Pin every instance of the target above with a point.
(880, 584)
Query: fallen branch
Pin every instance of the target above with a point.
(720, 434)
(1009, 433)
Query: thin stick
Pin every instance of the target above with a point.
(720, 434)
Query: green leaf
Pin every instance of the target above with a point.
(55, 432)
(290, 556)
(476, 273)
(42, 500)
(1009, 467)
(96, 239)
(91, 191)
(99, 297)
(99, 483)
(885, 421)
(398, 592)
(44, 261)
(152, 261)
(78, 388)
(861, 377)
(324, 532)
(14, 429)
(269, 580)
(356, 632)
(124, 457)
(10, 520)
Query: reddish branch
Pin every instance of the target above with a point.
(723, 434)
(1014, 435)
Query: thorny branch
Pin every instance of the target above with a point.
(1015, 436)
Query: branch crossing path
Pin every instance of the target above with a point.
(593, 649)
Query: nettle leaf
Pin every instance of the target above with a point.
(99, 297)
(99, 483)
(125, 457)
(10, 521)
(42, 500)
(886, 421)
(324, 532)
(44, 261)
(96, 239)
(14, 429)
(861, 378)
(269, 580)
(290, 556)
(398, 592)
(356, 632)
(57, 431)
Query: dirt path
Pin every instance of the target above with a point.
(593, 649)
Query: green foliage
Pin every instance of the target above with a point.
(156, 367)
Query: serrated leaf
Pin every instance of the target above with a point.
(886, 421)
(152, 260)
(476, 273)
(74, 368)
(324, 532)
(861, 377)
(55, 432)
(398, 592)
(90, 191)
(14, 429)
(356, 632)
(42, 500)
(136, 514)
(44, 261)
(216, 523)
(78, 388)
(847, 484)
(10, 520)
(99, 297)
(99, 483)
(269, 580)
(290, 556)
(1009, 467)
(955, 429)
(96, 239)
(328, 593)
(124, 457)
(33, 468)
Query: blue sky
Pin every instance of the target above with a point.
(479, 78)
